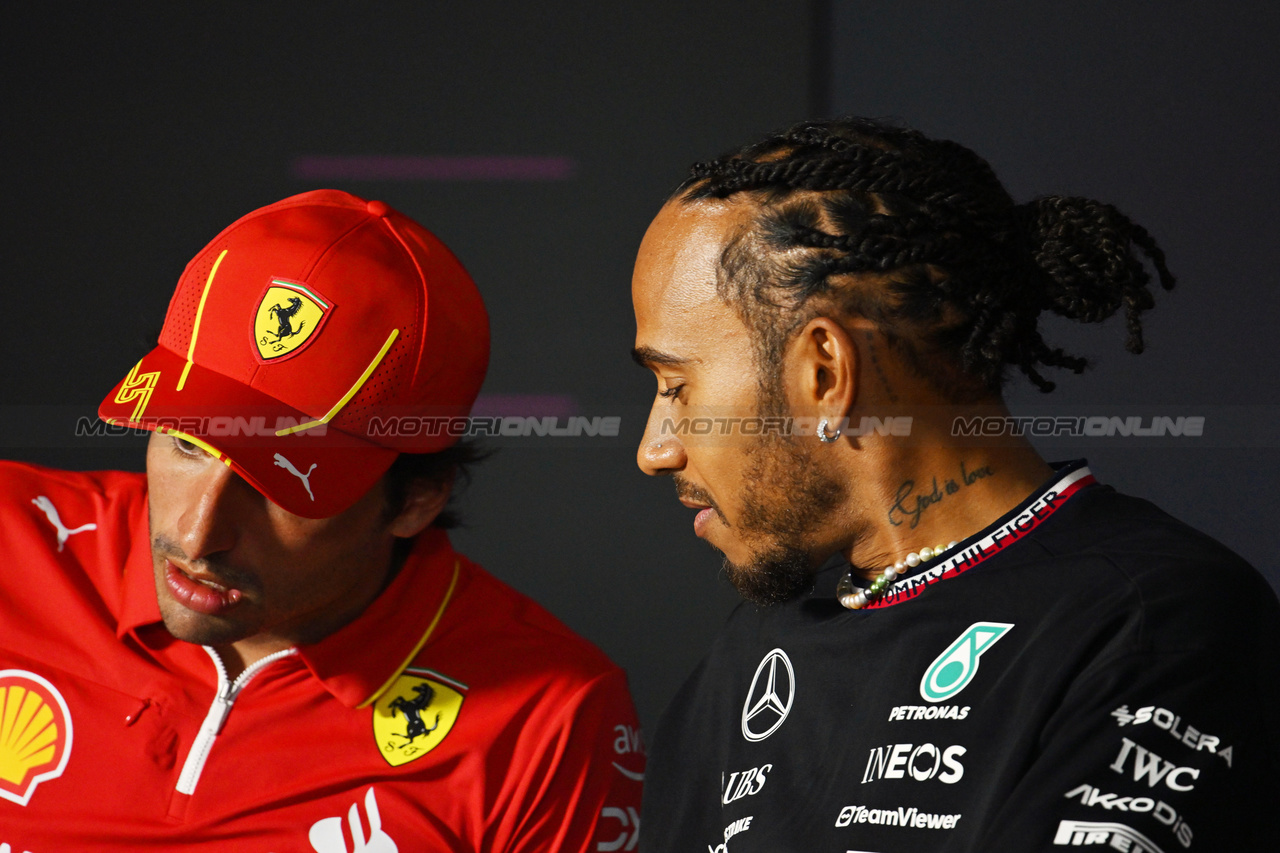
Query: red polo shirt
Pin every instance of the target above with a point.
(454, 714)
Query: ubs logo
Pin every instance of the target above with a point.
(744, 783)
(769, 698)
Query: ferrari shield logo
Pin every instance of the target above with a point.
(415, 715)
(35, 734)
(289, 315)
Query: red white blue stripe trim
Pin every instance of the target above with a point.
(971, 553)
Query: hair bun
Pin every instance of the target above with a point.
(1089, 259)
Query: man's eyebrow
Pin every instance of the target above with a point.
(648, 357)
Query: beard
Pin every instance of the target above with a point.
(772, 576)
(786, 497)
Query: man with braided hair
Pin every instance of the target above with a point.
(949, 644)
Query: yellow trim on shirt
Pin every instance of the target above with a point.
(457, 569)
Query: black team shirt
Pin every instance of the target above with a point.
(1087, 672)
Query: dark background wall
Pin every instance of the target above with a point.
(132, 133)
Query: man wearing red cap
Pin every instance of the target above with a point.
(267, 643)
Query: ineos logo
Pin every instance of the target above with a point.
(769, 698)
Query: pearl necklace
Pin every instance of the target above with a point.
(855, 598)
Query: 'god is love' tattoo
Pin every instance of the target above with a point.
(910, 504)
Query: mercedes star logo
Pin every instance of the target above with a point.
(769, 699)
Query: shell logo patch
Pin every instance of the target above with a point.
(415, 715)
(289, 316)
(35, 734)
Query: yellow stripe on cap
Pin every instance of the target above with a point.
(346, 398)
(195, 330)
(203, 445)
(448, 594)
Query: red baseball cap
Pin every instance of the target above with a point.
(301, 342)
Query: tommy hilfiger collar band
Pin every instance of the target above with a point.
(855, 598)
(896, 584)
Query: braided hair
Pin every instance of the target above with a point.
(920, 236)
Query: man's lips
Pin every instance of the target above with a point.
(700, 522)
(695, 497)
(703, 517)
(201, 594)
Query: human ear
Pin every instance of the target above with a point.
(424, 500)
(821, 370)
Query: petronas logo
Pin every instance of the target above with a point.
(952, 670)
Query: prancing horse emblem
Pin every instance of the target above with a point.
(284, 317)
(412, 710)
(288, 316)
(416, 714)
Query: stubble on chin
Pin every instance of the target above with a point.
(198, 628)
(187, 625)
(772, 577)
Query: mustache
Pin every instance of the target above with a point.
(697, 494)
(221, 569)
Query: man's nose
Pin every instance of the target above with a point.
(659, 453)
(205, 522)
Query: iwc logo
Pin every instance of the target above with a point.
(769, 698)
(415, 715)
(35, 734)
(952, 670)
(289, 316)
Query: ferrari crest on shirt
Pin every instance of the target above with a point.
(35, 734)
(415, 715)
(289, 315)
